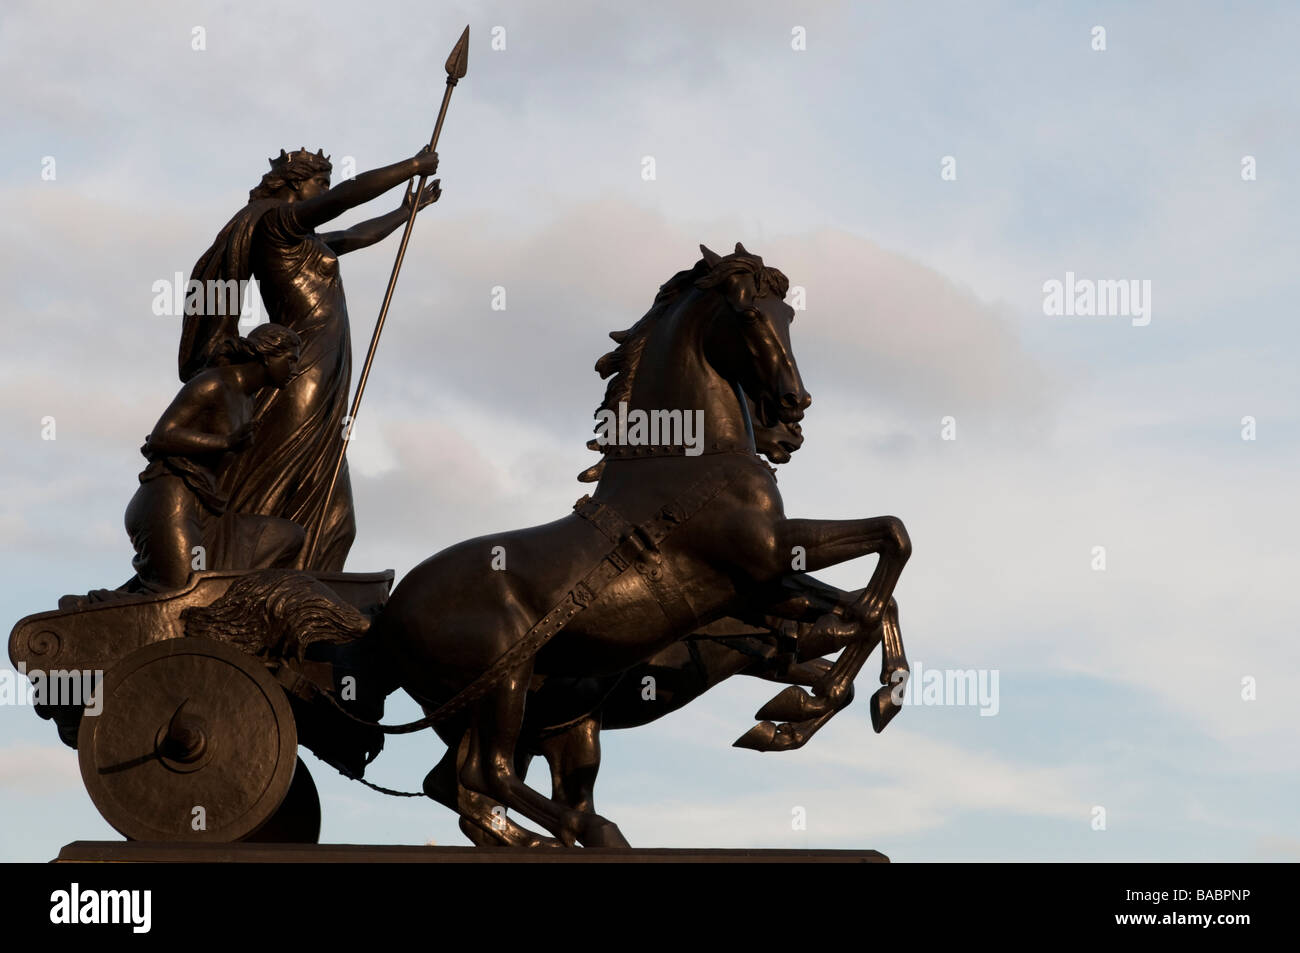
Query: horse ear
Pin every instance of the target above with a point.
(740, 249)
(711, 258)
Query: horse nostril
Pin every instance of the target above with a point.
(796, 401)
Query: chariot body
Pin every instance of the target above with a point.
(191, 737)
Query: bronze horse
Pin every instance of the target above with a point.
(670, 542)
(574, 711)
(668, 681)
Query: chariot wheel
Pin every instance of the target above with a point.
(297, 819)
(193, 741)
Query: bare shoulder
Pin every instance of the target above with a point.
(207, 384)
(753, 480)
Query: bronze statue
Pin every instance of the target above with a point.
(171, 517)
(679, 571)
(576, 710)
(681, 568)
(669, 542)
(302, 426)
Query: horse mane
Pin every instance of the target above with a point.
(622, 362)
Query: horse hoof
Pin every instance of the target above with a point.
(537, 840)
(758, 738)
(791, 704)
(788, 737)
(504, 835)
(478, 836)
(883, 709)
(598, 832)
(766, 736)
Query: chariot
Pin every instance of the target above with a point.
(191, 738)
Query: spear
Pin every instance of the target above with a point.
(457, 66)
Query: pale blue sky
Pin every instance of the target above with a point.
(1118, 688)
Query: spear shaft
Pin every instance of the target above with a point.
(457, 64)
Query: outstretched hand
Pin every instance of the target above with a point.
(432, 192)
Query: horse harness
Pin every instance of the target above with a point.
(632, 547)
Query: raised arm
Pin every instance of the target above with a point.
(377, 229)
(329, 205)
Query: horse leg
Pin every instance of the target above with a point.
(794, 716)
(482, 820)
(489, 767)
(441, 785)
(806, 714)
(828, 542)
(801, 598)
(830, 633)
(800, 601)
(574, 758)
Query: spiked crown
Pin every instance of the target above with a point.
(286, 159)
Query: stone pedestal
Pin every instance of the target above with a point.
(245, 853)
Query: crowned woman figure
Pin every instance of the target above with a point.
(300, 427)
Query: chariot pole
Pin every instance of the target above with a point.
(457, 66)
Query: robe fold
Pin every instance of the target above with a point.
(285, 472)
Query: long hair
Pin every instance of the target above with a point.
(203, 336)
(288, 168)
(263, 343)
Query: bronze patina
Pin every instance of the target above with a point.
(668, 543)
(679, 570)
(274, 239)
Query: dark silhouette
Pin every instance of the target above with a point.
(302, 426)
(171, 516)
(679, 571)
(669, 542)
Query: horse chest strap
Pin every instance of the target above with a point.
(638, 546)
(605, 519)
(633, 546)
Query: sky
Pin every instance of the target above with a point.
(1093, 517)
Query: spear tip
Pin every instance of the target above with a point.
(458, 61)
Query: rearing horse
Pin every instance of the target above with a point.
(668, 543)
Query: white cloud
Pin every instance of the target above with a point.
(923, 302)
(38, 769)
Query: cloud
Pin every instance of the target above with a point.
(38, 769)
(910, 784)
(924, 301)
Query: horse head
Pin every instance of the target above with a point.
(727, 317)
(777, 442)
(749, 340)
